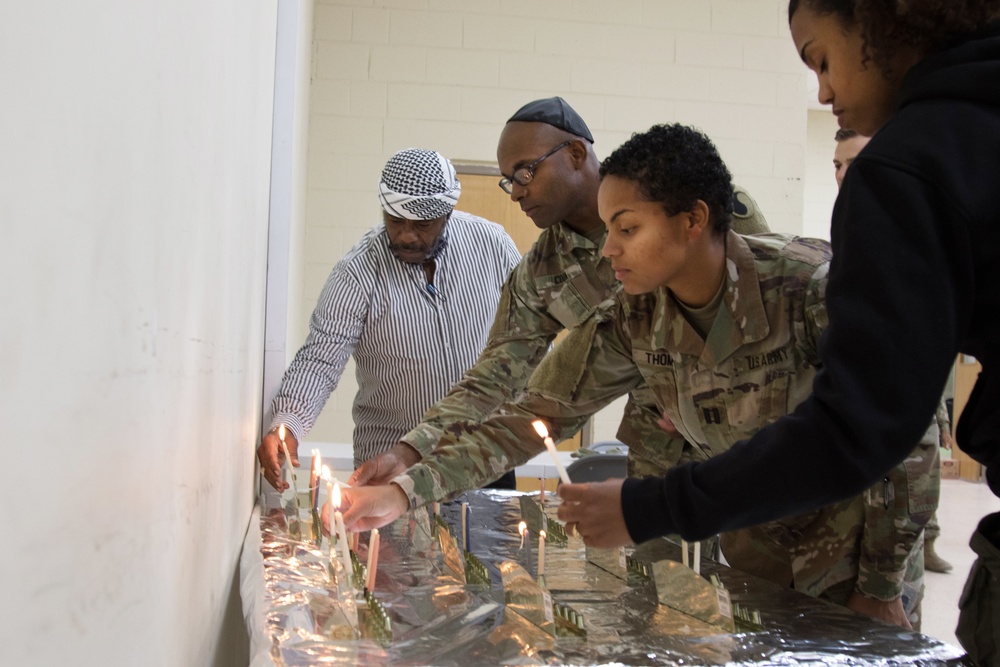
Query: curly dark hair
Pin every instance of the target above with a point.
(925, 25)
(676, 166)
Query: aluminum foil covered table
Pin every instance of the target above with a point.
(437, 620)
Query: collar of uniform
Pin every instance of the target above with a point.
(741, 318)
(568, 239)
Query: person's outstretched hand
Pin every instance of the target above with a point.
(271, 457)
(594, 509)
(373, 506)
(890, 612)
(384, 467)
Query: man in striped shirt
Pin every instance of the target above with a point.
(413, 301)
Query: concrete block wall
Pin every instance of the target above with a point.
(446, 74)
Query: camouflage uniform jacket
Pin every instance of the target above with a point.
(562, 282)
(756, 365)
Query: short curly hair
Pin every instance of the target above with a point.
(886, 25)
(676, 165)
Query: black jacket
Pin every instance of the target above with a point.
(915, 279)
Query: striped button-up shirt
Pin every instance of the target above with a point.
(411, 340)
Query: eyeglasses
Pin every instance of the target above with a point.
(525, 174)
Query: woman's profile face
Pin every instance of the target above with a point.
(648, 249)
(862, 96)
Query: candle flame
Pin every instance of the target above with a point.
(540, 428)
(326, 473)
(281, 432)
(522, 528)
(542, 534)
(336, 495)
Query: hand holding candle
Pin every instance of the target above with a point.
(288, 460)
(338, 523)
(543, 432)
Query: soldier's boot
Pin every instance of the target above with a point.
(932, 561)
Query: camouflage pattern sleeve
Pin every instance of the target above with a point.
(588, 370)
(896, 512)
(896, 508)
(520, 336)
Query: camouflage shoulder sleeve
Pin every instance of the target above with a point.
(585, 372)
(518, 340)
(891, 520)
(896, 511)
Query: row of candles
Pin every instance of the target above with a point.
(333, 502)
(337, 517)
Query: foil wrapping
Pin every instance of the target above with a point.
(292, 615)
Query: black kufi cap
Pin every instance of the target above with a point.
(556, 112)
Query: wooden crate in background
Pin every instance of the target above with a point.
(967, 371)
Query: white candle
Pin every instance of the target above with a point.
(465, 526)
(314, 473)
(329, 505)
(541, 553)
(541, 491)
(373, 543)
(288, 458)
(697, 557)
(551, 446)
(684, 553)
(338, 521)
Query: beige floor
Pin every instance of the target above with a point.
(962, 505)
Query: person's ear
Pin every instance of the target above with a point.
(577, 153)
(698, 220)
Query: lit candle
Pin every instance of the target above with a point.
(288, 458)
(338, 522)
(329, 505)
(523, 529)
(314, 473)
(373, 543)
(697, 557)
(549, 445)
(541, 553)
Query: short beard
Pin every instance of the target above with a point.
(431, 255)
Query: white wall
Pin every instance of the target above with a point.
(820, 190)
(133, 198)
(446, 74)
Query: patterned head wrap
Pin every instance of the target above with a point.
(418, 184)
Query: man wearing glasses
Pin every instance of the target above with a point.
(549, 168)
